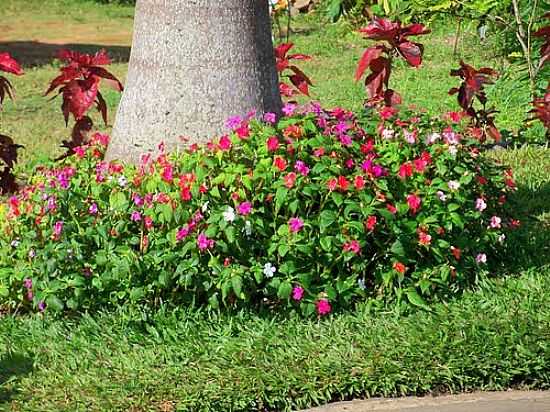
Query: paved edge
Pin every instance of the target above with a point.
(393, 404)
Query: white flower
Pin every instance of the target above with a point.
(502, 238)
(361, 283)
(495, 222)
(122, 181)
(451, 137)
(442, 196)
(204, 207)
(229, 214)
(15, 243)
(432, 138)
(481, 258)
(453, 150)
(269, 270)
(410, 137)
(388, 133)
(453, 185)
(248, 228)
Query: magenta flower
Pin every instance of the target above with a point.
(289, 108)
(138, 200)
(270, 118)
(352, 246)
(244, 208)
(135, 216)
(301, 168)
(52, 203)
(414, 202)
(27, 283)
(41, 306)
(225, 143)
(233, 122)
(323, 307)
(272, 143)
(182, 233)
(57, 229)
(298, 293)
(204, 243)
(345, 140)
(295, 224)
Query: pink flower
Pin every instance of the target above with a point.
(301, 168)
(100, 138)
(233, 122)
(298, 293)
(290, 180)
(481, 258)
(289, 108)
(359, 182)
(27, 283)
(319, 152)
(352, 246)
(168, 173)
(272, 144)
(332, 183)
(410, 137)
(424, 238)
(345, 140)
(57, 229)
(243, 131)
(405, 170)
(350, 163)
(138, 200)
(270, 118)
(93, 209)
(370, 222)
(420, 165)
(414, 202)
(279, 163)
(204, 243)
(323, 307)
(135, 216)
(295, 224)
(80, 151)
(225, 143)
(495, 222)
(148, 222)
(481, 205)
(244, 208)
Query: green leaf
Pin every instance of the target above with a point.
(53, 302)
(237, 284)
(416, 299)
(283, 250)
(118, 201)
(326, 219)
(397, 248)
(284, 291)
(326, 242)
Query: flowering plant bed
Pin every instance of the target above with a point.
(314, 212)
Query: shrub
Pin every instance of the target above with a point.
(317, 211)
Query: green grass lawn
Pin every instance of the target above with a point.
(494, 337)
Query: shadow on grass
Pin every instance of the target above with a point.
(12, 366)
(32, 53)
(529, 245)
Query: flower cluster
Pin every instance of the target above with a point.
(312, 213)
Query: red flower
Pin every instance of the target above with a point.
(456, 252)
(343, 183)
(391, 208)
(359, 182)
(280, 163)
(272, 143)
(371, 222)
(414, 203)
(225, 143)
(405, 170)
(424, 238)
(420, 165)
(399, 267)
(481, 180)
(366, 148)
(186, 193)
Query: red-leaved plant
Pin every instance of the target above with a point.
(78, 84)
(541, 110)
(379, 58)
(544, 34)
(472, 87)
(297, 78)
(8, 149)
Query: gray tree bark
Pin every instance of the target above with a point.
(194, 63)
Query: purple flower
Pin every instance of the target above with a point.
(298, 293)
(135, 216)
(295, 224)
(138, 200)
(345, 140)
(301, 168)
(270, 118)
(41, 306)
(27, 283)
(93, 209)
(378, 171)
(203, 242)
(52, 203)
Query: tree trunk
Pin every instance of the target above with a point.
(194, 63)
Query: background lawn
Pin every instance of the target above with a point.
(494, 337)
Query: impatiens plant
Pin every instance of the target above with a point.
(8, 149)
(78, 84)
(378, 59)
(310, 214)
(472, 88)
(290, 71)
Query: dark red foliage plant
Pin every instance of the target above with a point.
(378, 59)
(472, 88)
(78, 84)
(8, 149)
(297, 78)
(541, 110)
